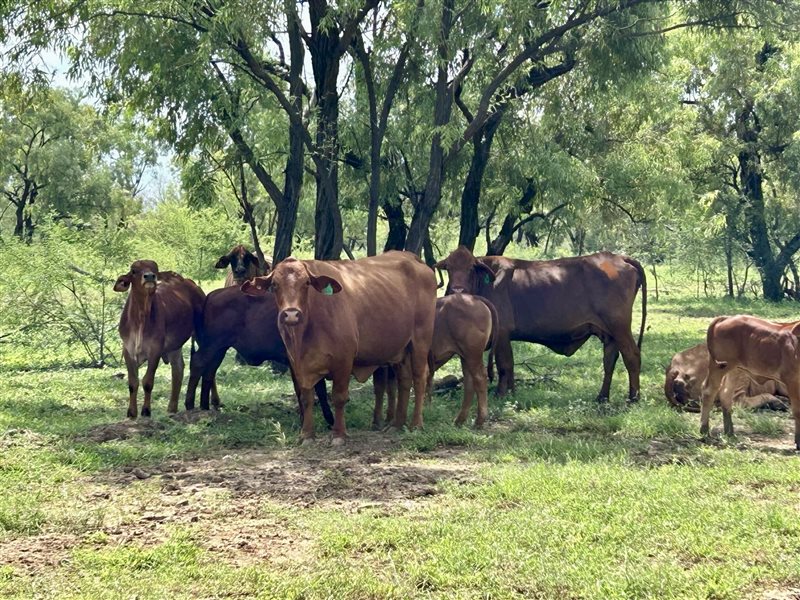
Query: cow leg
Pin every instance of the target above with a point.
(196, 368)
(504, 358)
(215, 403)
(379, 381)
(632, 357)
(480, 385)
(793, 385)
(710, 390)
(404, 378)
(322, 396)
(209, 386)
(469, 392)
(391, 395)
(177, 363)
(340, 397)
(610, 356)
(419, 369)
(306, 400)
(133, 383)
(147, 383)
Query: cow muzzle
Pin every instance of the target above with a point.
(149, 279)
(456, 290)
(291, 317)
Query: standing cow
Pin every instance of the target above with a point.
(559, 304)
(244, 265)
(339, 318)
(760, 347)
(158, 318)
(249, 324)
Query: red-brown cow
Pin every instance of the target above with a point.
(683, 384)
(559, 304)
(249, 324)
(343, 317)
(758, 346)
(159, 316)
(244, 265)
(466, 326)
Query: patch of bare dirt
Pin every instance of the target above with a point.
(122, 430)
(786, 594)
(241, 506)
(36, 553)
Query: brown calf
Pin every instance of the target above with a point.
(244, 265)
(339, 318)
(758, 346)
(688, 369)
(159, 316)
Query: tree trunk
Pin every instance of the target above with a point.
(325, 55)
(426, 207)
(471, 194)
(525, 205)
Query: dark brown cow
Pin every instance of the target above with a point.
(559, 304)
(249, 324)
(761, 348)
(159, 316)
(343, 317)
(688, 369)
(244, 265)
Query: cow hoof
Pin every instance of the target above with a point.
(307, 441)
(188, 406)
(337, 441)
(146, 412)
(602, 399)
(377, 426)
(633, 400)
(131, 415)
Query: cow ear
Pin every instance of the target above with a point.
(123, 283)
(257, 286)
(223, 262)
(485, 274)
(326, 285)
(442, 264)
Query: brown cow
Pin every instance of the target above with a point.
(559, 304)
(159, 316)
(343, 317)
(760, 347)
(688, 369)
(244, 265)
(465, 325)
(249, 324)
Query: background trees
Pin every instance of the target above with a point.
(556, 126)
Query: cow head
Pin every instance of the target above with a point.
(466, 274)
(244, 264)
(142, 276)
(291, 282)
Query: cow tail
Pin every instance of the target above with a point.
(493, 338)
(643, 283)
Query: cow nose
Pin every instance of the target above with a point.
(291, 316)
(149, 277)
(457, 290)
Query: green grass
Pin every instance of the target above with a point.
(557, 498)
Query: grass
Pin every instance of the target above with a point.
(557, 498)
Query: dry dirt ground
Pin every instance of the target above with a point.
(241, 506)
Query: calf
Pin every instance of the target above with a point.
(160, 314)
(758, 346)
(339, 318)
(689, 368)
(244, 265)
(249, 324)
(466, 325)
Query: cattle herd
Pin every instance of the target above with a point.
(379, 317)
